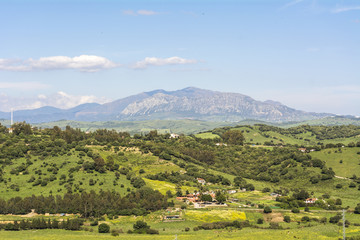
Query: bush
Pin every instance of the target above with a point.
(357, 209)
(152, 231)
(187, 229)
(305, 219)
(295, 210)
(260, 221)
(274, 226)
(104, 228)
(338, 186)
(287, 219)
(267, 209)
(94, 223)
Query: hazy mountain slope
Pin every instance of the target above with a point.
(188, 103)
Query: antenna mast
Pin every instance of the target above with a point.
(12, 117)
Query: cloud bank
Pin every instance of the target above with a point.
(59, 100)
(83, 63)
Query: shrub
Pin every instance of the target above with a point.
(295, 210)
(357, 209)
(352, 185)
(287, 219)
(140, 226)
(187, 229)
(94, 223)
(338, 186)
(274, 226)
(305, 219)
(152, 231)
(335, 219)
(260, 221)
(104, 228)
(267, 209)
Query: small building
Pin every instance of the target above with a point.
(302, 149)
(192, 198)
(275, 195)
(174, 135)
(172, 217)
(201, 180)
(221, 144)
(311, 200)
(231, 191)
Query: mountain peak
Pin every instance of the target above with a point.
(187, 103)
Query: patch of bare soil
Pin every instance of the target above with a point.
(274, 217)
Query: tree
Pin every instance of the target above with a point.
(260, 221)
(220, 198)
(233, 137)
(206, 198)
(267, 209)
(140, 226)
(22, 127)
(357, 209)
(287, 219)
(240, 182)
(338, 202)
(104, 228)
(295, 210)
(305, 219)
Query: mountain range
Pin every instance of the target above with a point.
(187, 103)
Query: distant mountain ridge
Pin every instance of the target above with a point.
(188, 103)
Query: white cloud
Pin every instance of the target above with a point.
(84, 63)
(59, 100)
(345, 9)
(153, 61)
(292, 3)
(142, 12)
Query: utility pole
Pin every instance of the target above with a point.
(344, 233)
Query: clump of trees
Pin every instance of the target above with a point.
(89, 204)
(41, 223)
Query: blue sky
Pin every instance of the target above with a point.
(303, 53)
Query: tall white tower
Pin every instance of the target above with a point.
(11, 120)
(12, 117)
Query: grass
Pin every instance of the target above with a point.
(214, 215)
(163, 186)
(332, 157)
(322, 232)
(207, 135)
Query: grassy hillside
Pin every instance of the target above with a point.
(344, 161)
(63, 162)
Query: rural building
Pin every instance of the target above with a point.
(302, 149)
(201, 180)
(231, 191)
(174, 135)
(311, 200)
